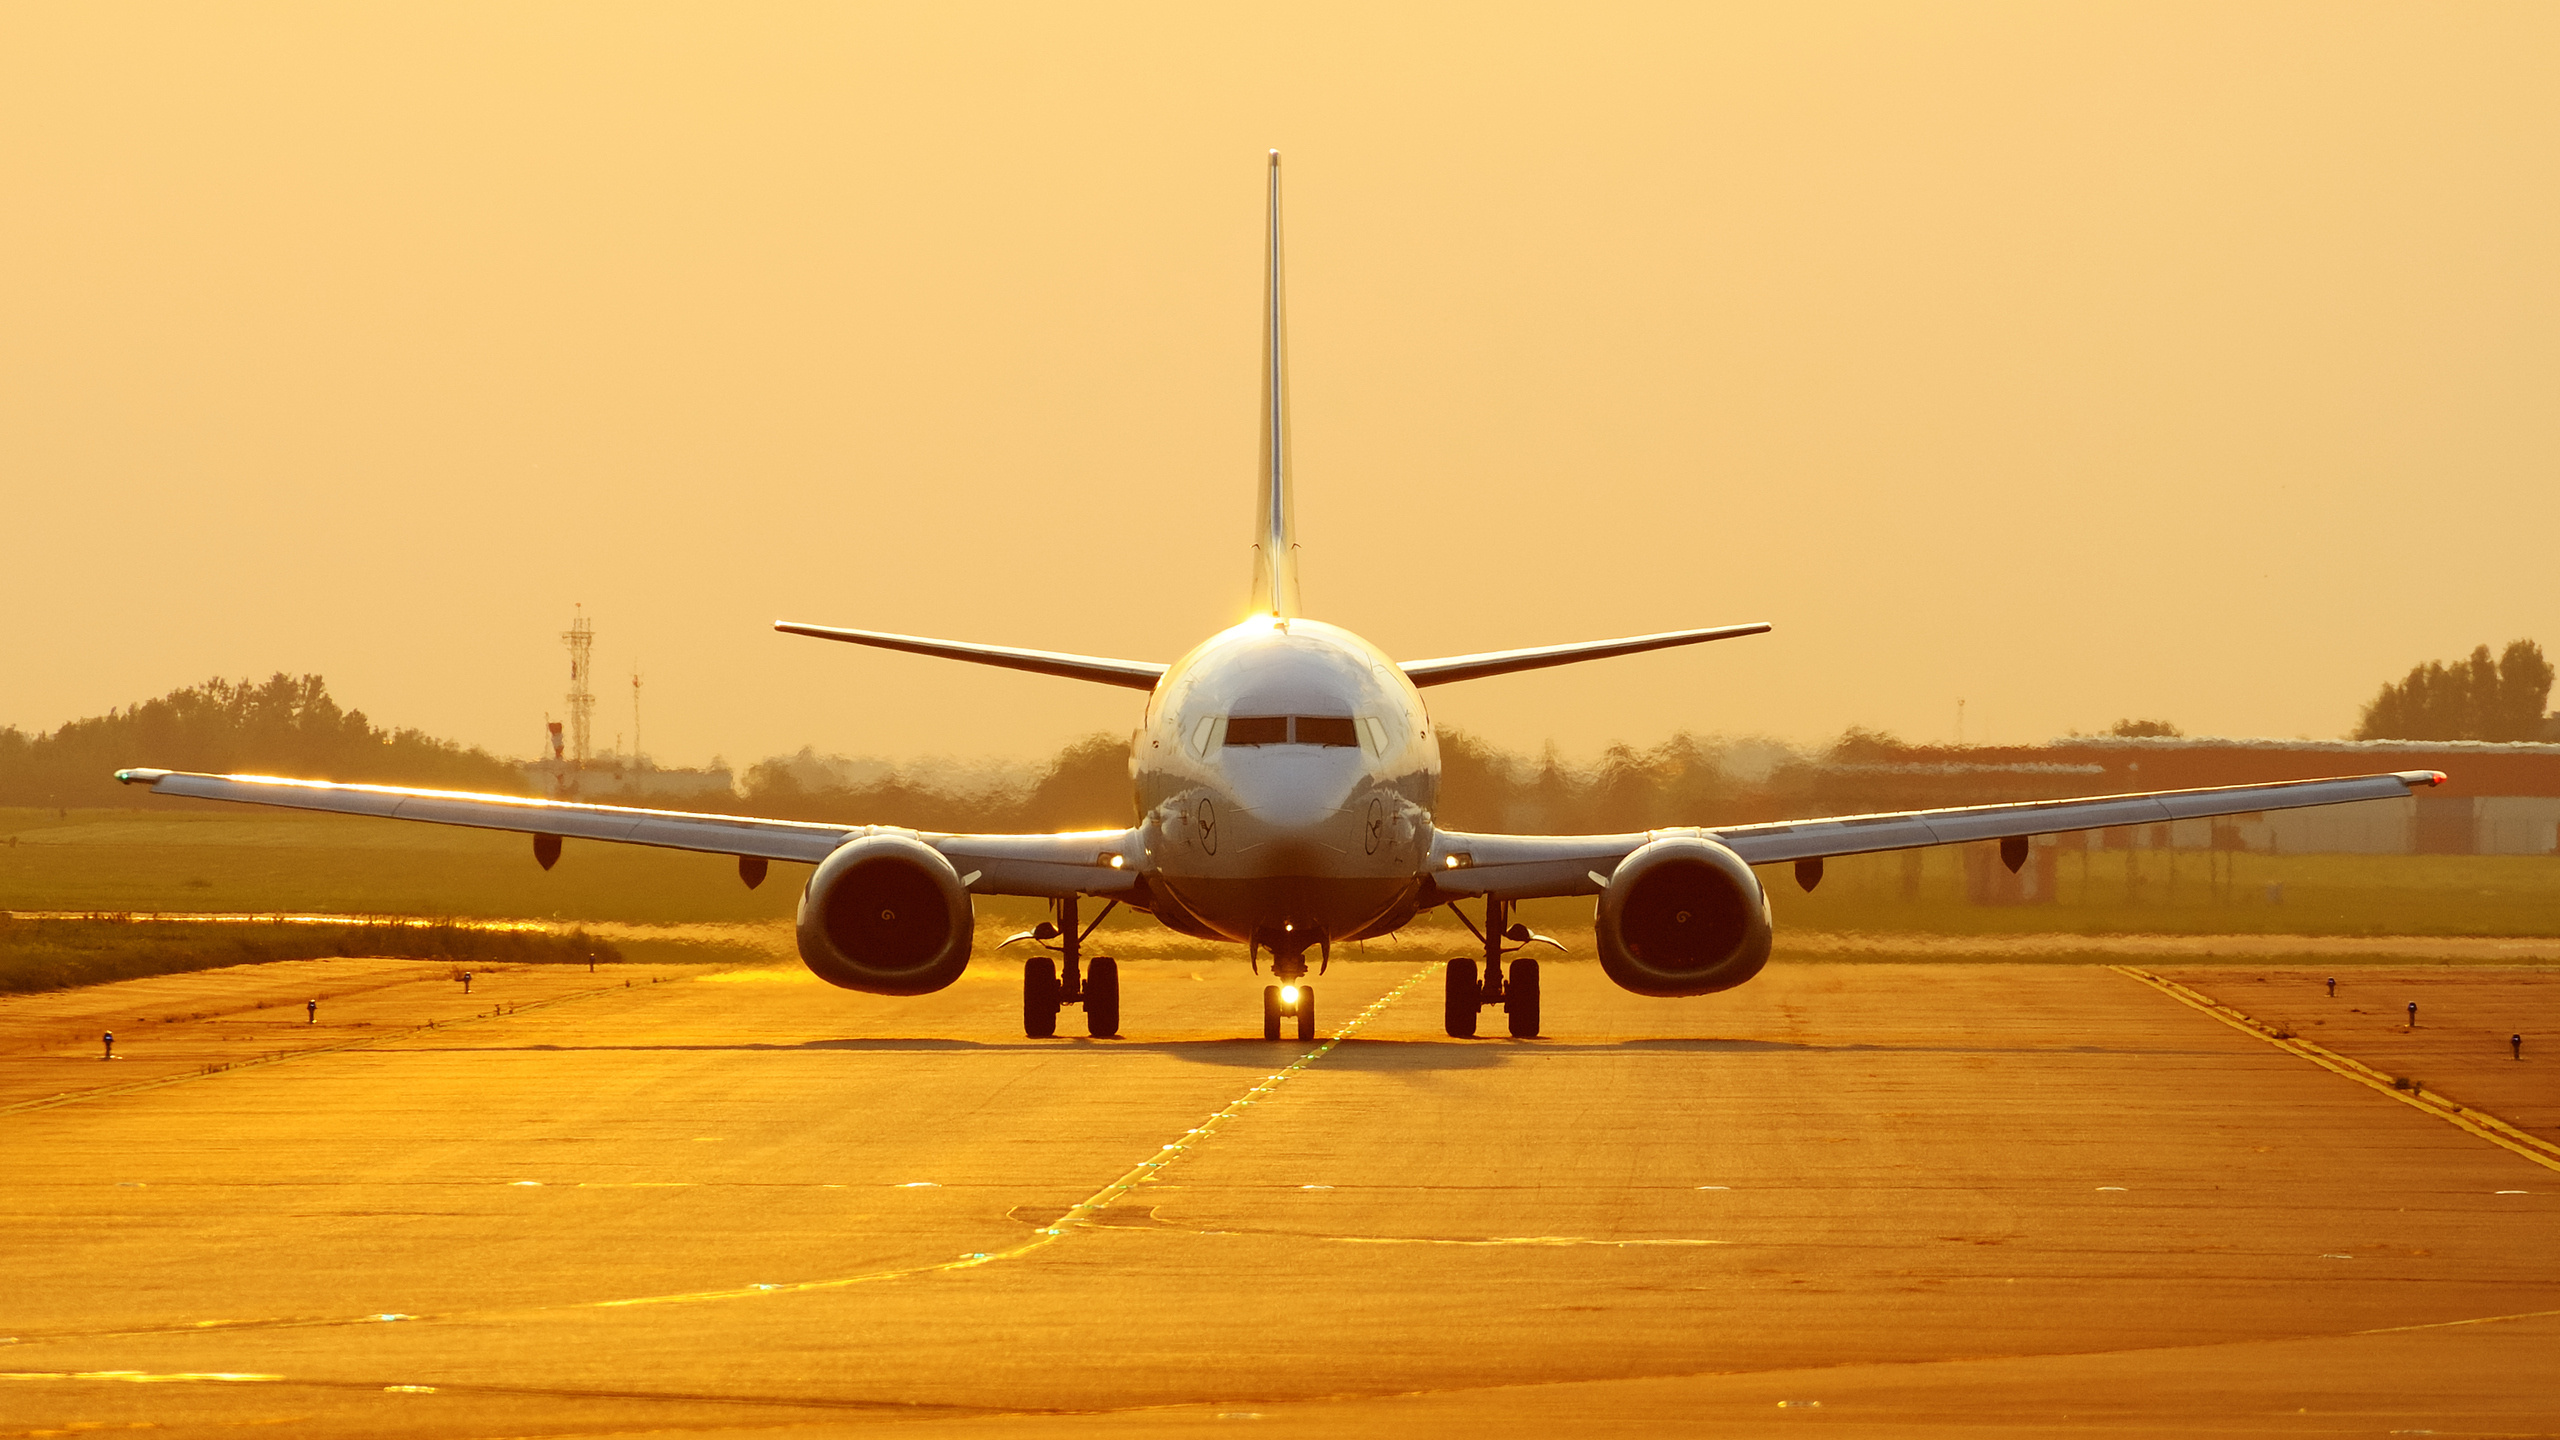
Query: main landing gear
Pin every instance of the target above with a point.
(1470, 990)
(1068, 979)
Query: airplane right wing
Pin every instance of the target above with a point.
(1524, 867)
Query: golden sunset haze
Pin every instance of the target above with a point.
(2081, 361)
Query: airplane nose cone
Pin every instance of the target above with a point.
(1289, 791)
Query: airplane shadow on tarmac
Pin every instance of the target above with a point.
(1354, 1054)
(1240, 1053)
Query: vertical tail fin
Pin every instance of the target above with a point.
(1275, 521)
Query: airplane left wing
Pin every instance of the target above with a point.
(1092, 862)
(1524, 867)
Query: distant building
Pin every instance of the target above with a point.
(622, 778)
(2498, 798)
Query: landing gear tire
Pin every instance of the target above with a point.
(1040, 997)
(1306, 1012)
(1102, 998)
(1520, 1000)
(1463, 998)
(1270, 1012)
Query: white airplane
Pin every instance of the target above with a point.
(1286, 771)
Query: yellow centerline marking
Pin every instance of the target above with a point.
(1510, 1240)
(2450, 1324)
(2488, 1127)
(1077, 1218)
(2453, 1323)
(140, 1377)
(1081, 1214)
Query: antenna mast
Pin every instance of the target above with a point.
(581, 640)
(635, 712)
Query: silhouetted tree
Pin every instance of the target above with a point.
(1859, 745)
(2144, 729)
(2478, 698)
(1086, 788)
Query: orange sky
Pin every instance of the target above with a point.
(2081, 361)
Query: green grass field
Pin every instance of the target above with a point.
(54, 954)
(2160, 892)
(202, 858)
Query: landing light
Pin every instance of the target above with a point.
(1288, 994)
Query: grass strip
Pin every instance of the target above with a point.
(56, 953)
(2399, 1087)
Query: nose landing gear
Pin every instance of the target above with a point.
(1048, 984)
(1468, 991)
(1293, 998)
(1281, 1002)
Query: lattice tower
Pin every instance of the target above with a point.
(580, 637)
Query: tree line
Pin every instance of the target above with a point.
(2479, 698)
(290, 725)
(284, 725)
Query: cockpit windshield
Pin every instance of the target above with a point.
(1257, 729)
(1324, 730)
(1292, 730)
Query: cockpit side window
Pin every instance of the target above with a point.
(1257, 729)
(1374, 730)
(1204, 735)
(1325, 730)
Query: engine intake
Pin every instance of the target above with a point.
(1683, 916)
(886, 914)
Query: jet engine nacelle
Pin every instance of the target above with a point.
(1683, 916)
(886, 914)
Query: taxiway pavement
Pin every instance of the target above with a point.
(1912, 1198)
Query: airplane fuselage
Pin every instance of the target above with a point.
(1286, 771)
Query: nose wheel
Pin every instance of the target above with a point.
(1283, 1005)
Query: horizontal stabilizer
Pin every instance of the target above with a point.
(1504, 662)
(1134, 674)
